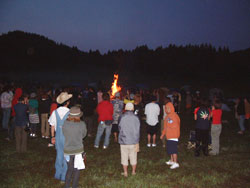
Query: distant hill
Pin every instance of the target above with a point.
(29, 52)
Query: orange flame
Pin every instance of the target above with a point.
(115, 88)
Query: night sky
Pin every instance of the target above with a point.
(124, 24)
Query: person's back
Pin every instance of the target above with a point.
(152, 111)
(21, 117)
(74, 132)
(202, 118)
(105, 111)
(129, 129)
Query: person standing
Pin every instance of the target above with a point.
(105, 112)
(33, 114)
(202, 117)
(172, 132)
(6, 99)
(152, 111)
(21, 120)
(216, 127)
(118, 107)
(17, 95)
(56, 121)
(129, 127)
(241, 115)
(74, 131)
(44, 108)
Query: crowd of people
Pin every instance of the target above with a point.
(68, 115)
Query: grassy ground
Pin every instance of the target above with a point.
(229, 169)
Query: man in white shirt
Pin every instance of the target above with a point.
(56, 121)
(6, 99)
(152, 111)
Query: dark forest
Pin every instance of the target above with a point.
(32, 54)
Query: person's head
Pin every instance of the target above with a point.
(129, 107)
(75, 114)
(137, 99)
(217, 104)
(167, 100)
(21, 99)
(33, 95)
(169, 108)
(153, 98)
(105, 97)
(117, 95)
(64, 99)
(204, 103)
(131, 96)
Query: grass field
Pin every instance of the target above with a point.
(231, 168)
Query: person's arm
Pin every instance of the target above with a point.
(164, 129)
(53, 139)
(195, 116)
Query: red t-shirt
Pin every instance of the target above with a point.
(217, 113)
(105, 111)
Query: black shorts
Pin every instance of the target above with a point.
(114, 128)
(152, 129)
(172, 147)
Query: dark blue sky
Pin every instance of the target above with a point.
(124, 24)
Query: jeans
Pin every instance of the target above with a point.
(33, 127)
(6, 117)
(101, 127)
(72, 173)
(215, 133)
(241, 122)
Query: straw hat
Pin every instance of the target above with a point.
(75, 111)
(64, 96)
(129, 106)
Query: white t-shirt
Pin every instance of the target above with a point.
(61, 112)
(152, 111)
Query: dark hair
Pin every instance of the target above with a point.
(105, 97)
(64, 103)
(20, 99)
(204, 103)
(166, 100)
(217, 104)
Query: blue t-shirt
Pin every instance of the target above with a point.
(21, 118)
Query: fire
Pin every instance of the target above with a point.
(115, 88)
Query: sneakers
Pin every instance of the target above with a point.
(148, 145)
(105, 147)
(153, 145)
(95, 146)
(46, 137)
(43, 136)
(174, 166)
(169, 162)
(50, 145)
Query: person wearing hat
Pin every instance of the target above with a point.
(118, 107)
(129, 128)
(33, 114)
(56, 121)
(74, 131)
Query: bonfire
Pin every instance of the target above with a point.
(115, 88)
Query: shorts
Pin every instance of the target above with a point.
(172, 147)
(114, 128)
(128, 152)
(152, 129)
